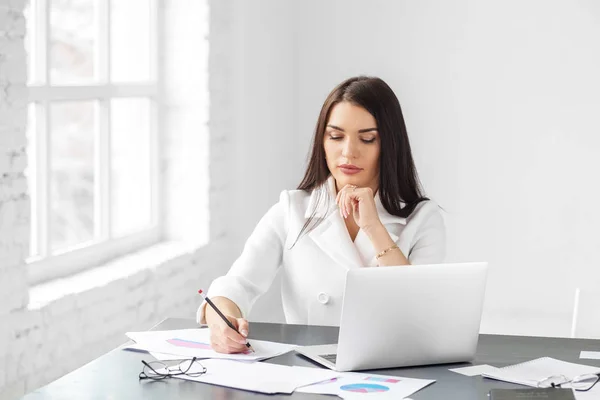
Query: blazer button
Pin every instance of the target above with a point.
(323, 298)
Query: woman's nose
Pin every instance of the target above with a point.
(349, 149)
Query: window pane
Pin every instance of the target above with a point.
(72, 41)
(71, 173)
(130, 40)
(130, 165)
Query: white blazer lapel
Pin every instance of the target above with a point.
(332, 237)
(331, 234)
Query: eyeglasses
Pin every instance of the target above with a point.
(157, 370)
(581, 383)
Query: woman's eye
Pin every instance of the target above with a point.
(368, 140)
(335, 137)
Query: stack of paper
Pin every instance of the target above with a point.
(258, 377)
(531, 373)
(188, 343)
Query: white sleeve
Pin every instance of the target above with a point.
(253, 272)
(430, 243)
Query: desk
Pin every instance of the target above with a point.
(115, 374)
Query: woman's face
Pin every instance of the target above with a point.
(352, 146)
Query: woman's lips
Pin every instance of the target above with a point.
(349, 169)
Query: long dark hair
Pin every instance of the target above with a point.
(398, 179)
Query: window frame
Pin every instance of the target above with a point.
(47, 265)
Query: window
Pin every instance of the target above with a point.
(92, 140)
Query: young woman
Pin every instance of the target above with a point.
(359, 205)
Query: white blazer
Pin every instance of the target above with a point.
(314, 269)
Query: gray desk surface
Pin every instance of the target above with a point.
(115, 374)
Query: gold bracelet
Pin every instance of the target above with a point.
(385, 251)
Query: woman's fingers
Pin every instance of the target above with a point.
(344, 200)
(243, 327)
(232, 336)
(350, 202)
(224, 344)
(355, 208)
(223, 339)
(350, 199)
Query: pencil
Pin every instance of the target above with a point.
(228, 322)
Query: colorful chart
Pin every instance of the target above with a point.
(380, 379)
(189, 344)
(365, 388)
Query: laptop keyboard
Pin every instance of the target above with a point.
(329, 357)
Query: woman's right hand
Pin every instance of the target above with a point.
(223, 339)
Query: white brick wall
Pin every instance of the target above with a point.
(79, 327)
(14, 203)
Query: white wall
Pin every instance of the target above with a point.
(501, 102)
(267, 158)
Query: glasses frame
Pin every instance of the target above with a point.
(171, 372)
(566, 380)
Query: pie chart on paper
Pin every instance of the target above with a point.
(365, 388)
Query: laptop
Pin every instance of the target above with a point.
(406, 316)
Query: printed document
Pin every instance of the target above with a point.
(350, 385)
(188, 343)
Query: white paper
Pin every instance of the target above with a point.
(351, 385)
(173, 357)
(187, 343)
(590, 355)
(474, 370)
(258, 377)
(157, 356)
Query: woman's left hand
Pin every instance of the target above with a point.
(358, 203)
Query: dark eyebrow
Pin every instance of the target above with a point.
(359, 131)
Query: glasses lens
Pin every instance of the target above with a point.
(196, 371)
(185, 366)
(192, 368)
(552, 381)
(584, 381)
(155, 370)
